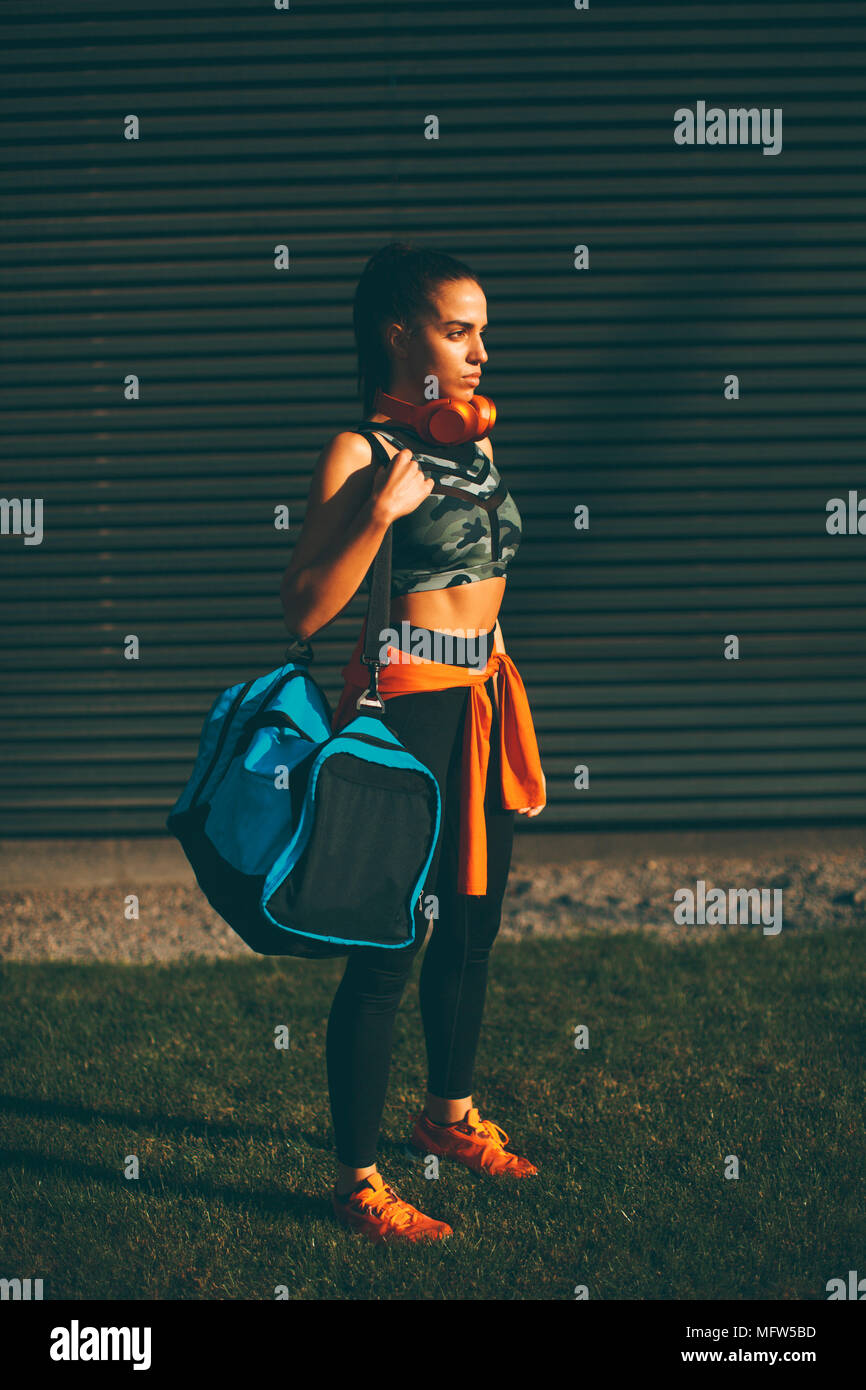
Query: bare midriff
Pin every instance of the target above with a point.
(465, 608)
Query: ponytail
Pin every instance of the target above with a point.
(396, 286)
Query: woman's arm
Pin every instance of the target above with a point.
(352, 503)
(340, 538)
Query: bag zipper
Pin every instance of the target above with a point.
(223, 735)
(266, 719)
(371, 738)
(273, 689)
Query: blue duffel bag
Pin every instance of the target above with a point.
(306, 842)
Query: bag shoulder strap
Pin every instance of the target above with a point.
(378, 607)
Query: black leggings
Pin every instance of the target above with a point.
(453, 978)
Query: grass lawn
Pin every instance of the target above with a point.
(749, 1045)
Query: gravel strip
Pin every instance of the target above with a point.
(547, 899)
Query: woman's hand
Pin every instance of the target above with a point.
(535, 810)
(399, 489)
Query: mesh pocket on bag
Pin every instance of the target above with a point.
(371, 836)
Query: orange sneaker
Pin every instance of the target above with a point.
(480, 1144)
(377, 1212)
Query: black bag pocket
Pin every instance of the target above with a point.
(372, 832)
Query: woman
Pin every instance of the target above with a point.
(419, 314)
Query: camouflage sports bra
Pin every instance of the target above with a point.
(467, 529)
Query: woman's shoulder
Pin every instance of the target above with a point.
(361, 432)
(378, 439)
(353, 437)
(343, 453)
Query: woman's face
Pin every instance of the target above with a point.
(448, 347)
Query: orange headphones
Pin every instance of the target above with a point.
(442, 421)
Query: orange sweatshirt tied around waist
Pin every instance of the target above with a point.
(521, 778)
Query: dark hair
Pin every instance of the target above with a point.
(395, 286)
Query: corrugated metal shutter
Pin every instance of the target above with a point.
(306, 127)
